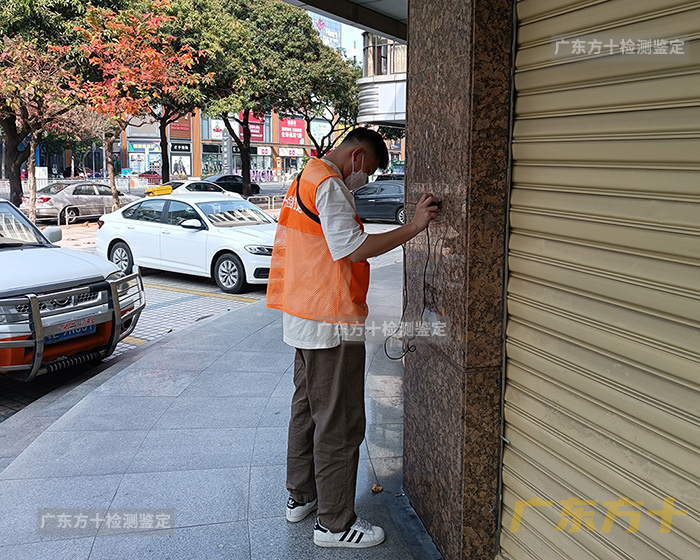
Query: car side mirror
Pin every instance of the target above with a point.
(192, 223)
(53, 234)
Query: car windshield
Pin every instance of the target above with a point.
(16, 230)
(224, 213)
(55, 188)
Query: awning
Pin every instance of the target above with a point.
(384, 17)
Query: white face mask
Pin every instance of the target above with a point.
(358, 178)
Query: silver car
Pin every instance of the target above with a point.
(68, 201)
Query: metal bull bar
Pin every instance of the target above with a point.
(40, 317)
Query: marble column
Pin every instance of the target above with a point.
(459, 84)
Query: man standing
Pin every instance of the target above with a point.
(319, 277)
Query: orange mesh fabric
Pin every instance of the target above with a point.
(304, 279)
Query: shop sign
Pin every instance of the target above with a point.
(291, 152)
(319, 129)
(181, 127)
(264, 151)
(217, 129)
(292, 131)
(257, 128)
(179, 147)
(144, 146)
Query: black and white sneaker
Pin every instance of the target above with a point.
(362, 534)
(296, 511)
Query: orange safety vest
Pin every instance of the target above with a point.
(304, 279)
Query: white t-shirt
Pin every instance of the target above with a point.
(336, 209)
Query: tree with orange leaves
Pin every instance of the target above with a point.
(35, 92)
(134, 70)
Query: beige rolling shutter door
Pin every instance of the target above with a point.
(602, 397)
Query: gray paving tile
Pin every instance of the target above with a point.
(285, 388)
(240, 360)
(385, 440)
(381, 365)
(137, 380)
(178, 359)
(171, 450)
(76, 454)
(389, 473)
(206, 339)
(270, 338)
(104, 413)
(270, 446)
(384, 410)
(212, 412)
(222, 541)
(276, 539)
(383, 386)
(197, 496)
(21, 500)
(66, 549)
(276, 413)
(234, 384)
(268, 491)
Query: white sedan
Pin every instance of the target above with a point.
(222, 237)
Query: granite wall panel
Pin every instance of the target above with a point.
(458, 110)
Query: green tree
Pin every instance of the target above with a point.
(330, 94)
(35, 91)
(135, 70)
(43, 23)
(266, 67)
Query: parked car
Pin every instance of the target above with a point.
(58, 307)
(381, 200)
(68, 201)
(165, 188)
(232, 183)
(390, 177)
(153, 177)
(222, 237)
(202, 187)
(185, 187)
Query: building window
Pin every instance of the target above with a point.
(383, 56)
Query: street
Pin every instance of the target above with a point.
(173, 303)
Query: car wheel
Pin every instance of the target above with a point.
(401, 216)
(120, 254)
(69, 215)
(229, 273)
(255, 189)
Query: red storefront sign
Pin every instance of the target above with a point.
(292, 131)
(181, 127)
(257, 128)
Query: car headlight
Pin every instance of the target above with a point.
(122, 287)
(259, 249)
(9, 315)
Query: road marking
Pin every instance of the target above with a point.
(198, 293)
(136, 341)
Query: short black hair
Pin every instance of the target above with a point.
(372, 139)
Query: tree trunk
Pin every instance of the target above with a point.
(31, 174)
(15, 156)
(109, 161)
(245, 154)
(3, 157)
(164, 158)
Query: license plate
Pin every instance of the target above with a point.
(73, 333)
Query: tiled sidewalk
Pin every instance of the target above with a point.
(196, 424)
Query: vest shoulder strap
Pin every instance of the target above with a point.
(304, 209)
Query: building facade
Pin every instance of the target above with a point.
(200, 146)
(559, 418)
